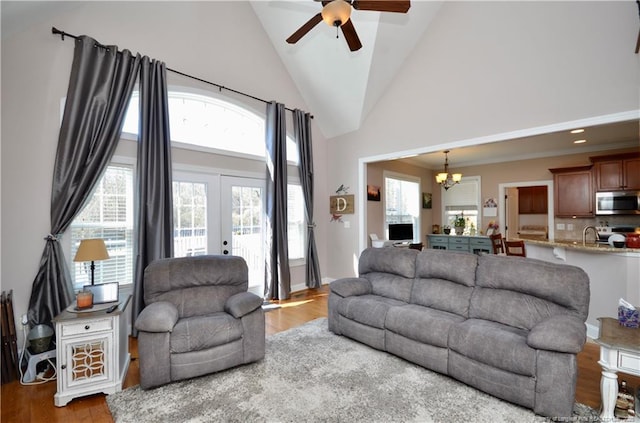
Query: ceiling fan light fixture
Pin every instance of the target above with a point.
(336, 13)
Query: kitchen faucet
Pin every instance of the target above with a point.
(584, 234)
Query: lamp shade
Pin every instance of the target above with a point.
(336, 13)
(91, 250)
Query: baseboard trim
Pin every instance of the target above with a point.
(301, 287)
(592, 331)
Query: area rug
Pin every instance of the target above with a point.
(311, 375)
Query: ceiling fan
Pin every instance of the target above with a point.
(337, 13)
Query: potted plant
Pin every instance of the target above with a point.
(459, 223)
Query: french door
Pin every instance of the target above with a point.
(217, 214)
(242, 224)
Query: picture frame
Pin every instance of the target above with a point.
(426, 200)
(373, 193)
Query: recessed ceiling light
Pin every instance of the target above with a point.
(577, 131)
(579, 141)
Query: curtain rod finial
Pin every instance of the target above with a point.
(56, 31)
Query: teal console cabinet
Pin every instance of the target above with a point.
(470, 244)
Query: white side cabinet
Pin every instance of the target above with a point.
(92, 351)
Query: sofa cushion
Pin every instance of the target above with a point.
(370, 310)
(160, 316)
(391, 271)
(559, 284)
(346, 287)
(511, 308)
(195, 285)
(453, 266)
(395, 261)
(242, 304)
(495, 344)
(202, 332)
(421, 324)
(442, 295)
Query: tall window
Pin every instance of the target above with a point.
(107, 215)
(190, 219)
(297, 228)
(462, 200)
(402, 200)
(199, 121)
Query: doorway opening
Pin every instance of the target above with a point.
(533, 220)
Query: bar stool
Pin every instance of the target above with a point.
(515, 248)
(496, 243)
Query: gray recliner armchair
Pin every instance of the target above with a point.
(198, 319)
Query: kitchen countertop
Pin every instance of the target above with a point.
(589, 246)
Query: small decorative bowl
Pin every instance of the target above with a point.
(618, 244)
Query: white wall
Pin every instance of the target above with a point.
(222, 42)
(487, 68)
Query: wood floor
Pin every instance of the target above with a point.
(26, 404)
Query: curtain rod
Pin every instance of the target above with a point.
(56, 31)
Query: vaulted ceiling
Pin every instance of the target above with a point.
(339, 86)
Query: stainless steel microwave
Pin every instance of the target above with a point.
(618, 202)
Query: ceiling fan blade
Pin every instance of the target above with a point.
(351, 36)
(397, 6)
(302, 31)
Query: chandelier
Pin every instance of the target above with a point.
(446, 179)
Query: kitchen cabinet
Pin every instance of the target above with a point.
(617, 172)
(92, 352)
(532, 200)
(573, 191)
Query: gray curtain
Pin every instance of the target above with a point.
(277, 277)
(100, 86)
(302, 133)
(154, 205)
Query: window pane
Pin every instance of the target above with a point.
(108, 215)
(297, 227)
(402, 202)
(189, 219)
(462, 200)
(211, 122)
(246, 232)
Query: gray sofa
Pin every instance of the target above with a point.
(198, 319)
(509, 326)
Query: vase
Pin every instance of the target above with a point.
(459, 230)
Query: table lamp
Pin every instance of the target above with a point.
(91, 250)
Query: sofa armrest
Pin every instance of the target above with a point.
(157, 317)
(242, 303)
(349, 287)
(562, 333)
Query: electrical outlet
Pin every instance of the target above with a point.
(347, 224)
(560, 226)
(569, 226)
(25, 320)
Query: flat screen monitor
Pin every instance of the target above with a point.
(401, 231)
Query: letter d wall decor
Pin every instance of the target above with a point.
(341, 204)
